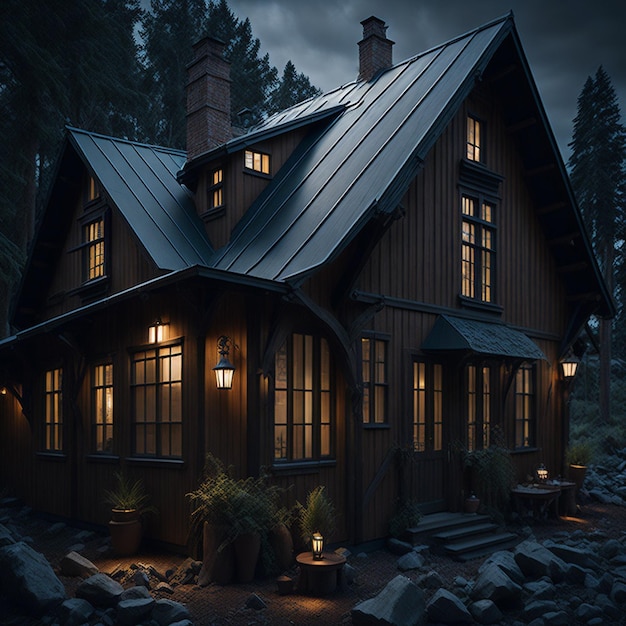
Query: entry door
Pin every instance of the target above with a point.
(430, 448)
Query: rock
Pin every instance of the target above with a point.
(349, 574)
(569, 554)
(506, 562)
(135, 593)
(164, 587)
(431, 580)
(536, 561)
(183, 622)
(167, 612)
(445, 608)
(575, 575)
(186, 573)
(100, 590)
(74, 612)
(401, 602)
(55, 529)
(538, 608)
(618, 592)
(131, 612)
(587, 612)
(6, 538)
(28, 579)
(611, 549)
(141, 579)
(541, 589)
(410, 561)
(395, 546)
(493, 584)
(255, 602)
(73, 564)
(556, 618)
(486, 612)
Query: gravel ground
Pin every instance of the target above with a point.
(227, 604)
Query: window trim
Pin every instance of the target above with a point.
(96, 424)
(475, 120)
(53, 421)
(375, 423)
(530, 419)
(481, 425)
(260, 170)
(433, 403)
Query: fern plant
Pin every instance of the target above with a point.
(128, 495)
(318, 515)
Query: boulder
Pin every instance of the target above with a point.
(576, 556)
(401, 602)
(131, 612)
(100, 590)
(6, 538)
(74, 564)
(27, 578)
(445, 608)
(74, 612)
(410, 561)
(486, 612)
(506, 562)
(167, 612)
(134, 593)
(493, 584)
(538, 608)
(536, 561)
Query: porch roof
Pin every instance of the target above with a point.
(456, 334)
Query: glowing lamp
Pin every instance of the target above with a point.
(318, 546)
(158, 332)
(224, 370)
(542, 473)
(570, 367)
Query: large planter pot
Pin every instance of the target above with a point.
(126, 531)
(218, 566)
(471, 504)
(282, 544)
(577, 475)
(247, 548)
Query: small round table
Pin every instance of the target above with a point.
(319, 576)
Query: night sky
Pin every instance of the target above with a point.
(565, 41)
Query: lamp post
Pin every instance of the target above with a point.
(224, 370)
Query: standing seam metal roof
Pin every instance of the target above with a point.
(141, 181)
(331, 185)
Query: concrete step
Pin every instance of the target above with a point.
(481, 546)
(466, 531)
(436, 523)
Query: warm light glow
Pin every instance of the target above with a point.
(570, 367)
(3, 391)
(542, 473)
(317, 542)
(224, 370)
(158, 332)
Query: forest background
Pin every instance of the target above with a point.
(109, 66)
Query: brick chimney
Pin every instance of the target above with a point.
(208, 98)
(375, 50)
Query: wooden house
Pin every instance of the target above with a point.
(394, 268)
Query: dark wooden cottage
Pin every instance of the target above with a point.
(399, 264)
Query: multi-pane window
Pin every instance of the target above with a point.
(427, 407)
(474, 139)
(303, 414)
(53, 434)
(374, 364)
(478, 406)
(257, 161)
(93, 236)
(102, 407)
(216, 189)
(478, 249)
(524, 407)
(156, 384)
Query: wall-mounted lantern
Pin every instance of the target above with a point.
(3, 391)
(158, 332)
(317, 542)
(570, 367)
(542, 473)
(224, 370)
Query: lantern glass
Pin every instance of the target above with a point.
(542, 473)
(570, 366)
(158, 332)
(224, 371)
(318, 546)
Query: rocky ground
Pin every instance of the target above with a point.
(584, 585)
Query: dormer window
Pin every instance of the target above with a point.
(93, 238)
(216, 189)
(474, 139)
(257, 162)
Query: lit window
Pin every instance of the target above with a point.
(427, 407)
(303, 414)
(474, 139)
(524, 407)
(374, 364)
(102, 406)
(53, 436)
(257, 161)
(478, 409)
(478, 249)
(93, 234)
(156, 385)
(93, 191)
(216, 189)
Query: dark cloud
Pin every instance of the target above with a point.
(565, 41)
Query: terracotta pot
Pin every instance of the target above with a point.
(218, 566)
(282, 543)
(126, 531)
(471, 504)
(247, 549)
(577, 475)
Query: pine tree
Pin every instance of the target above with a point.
(293, 88)
(598, 176)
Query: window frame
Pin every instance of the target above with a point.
(322, 398)
(427, 402)
(525, 407)
(94, 250)
(477, 427)
(257, 162)
(375, 394)
(473, 146)
(215, 190)
(53, 436)
(102, 420)
(158, 353)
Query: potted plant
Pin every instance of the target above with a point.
(233, 516)
(129, 502)
(578, 456)
(317, 516)
(407, 515)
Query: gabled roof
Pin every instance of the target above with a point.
(361, 162)
(141, 181)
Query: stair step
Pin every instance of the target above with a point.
(479, 543)
(487, 550)
(443, 521)
(465, 531)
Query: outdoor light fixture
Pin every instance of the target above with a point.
(542, 473)
(158, 331)
(318, 546)
(224, 370)
(570, 367)
(3, 391)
